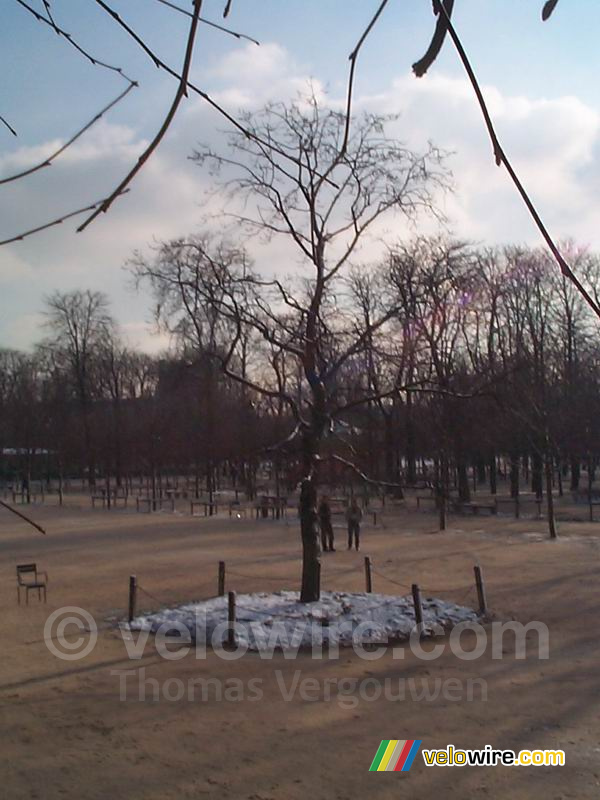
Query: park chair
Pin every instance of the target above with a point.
(28, 577)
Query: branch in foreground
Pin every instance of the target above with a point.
(179, 95)
(160, 64)
(548, 8)
(61, 32)
(352, 57)
(501, 158)
(10, 127)
(359, 472)
(420, 67)
(48, 161)
(23, 517)
(209, 23)
(19, 237)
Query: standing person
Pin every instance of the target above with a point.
(325, 525)
(353, 517)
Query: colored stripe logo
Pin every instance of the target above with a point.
(395, 755)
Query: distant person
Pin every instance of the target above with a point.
(326, 526)
(353, 517)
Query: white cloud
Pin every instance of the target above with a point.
(554, 144)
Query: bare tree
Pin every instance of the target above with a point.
(340, 189)
(80, 327)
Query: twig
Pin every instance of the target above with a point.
(208, 22)
(10, 128)
(19, 237)
(359, 472)
(61, 32)
(227, 9)
(160, 64)
(23, 517)
(179, 95)
(48, 161)
(352, 57)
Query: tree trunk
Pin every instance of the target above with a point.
(443, 486)
(464, 494)
(493, 475)
(480, 470)
(514, 475)
(536, 475)
(390, 462)
(549, 498)
(411, 458)
(311, 551)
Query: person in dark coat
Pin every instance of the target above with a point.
(325, 525)
(353, 518)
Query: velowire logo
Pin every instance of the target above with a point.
(395, 755)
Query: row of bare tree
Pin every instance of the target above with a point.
(442, 352)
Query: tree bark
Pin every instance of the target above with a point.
(311, 551)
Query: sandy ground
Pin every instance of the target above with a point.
(66, 732)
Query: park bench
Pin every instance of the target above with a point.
(157, 502)
(28, 578)
(590, 498)
(209, 508)
(271, 505)
(474, 508)
(21, 497)
(235, 507)
(176, 493)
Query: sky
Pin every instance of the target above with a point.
(540, 80)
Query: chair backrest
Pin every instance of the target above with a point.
(24, 568)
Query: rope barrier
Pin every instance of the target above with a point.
(391, 580)
(154, 597)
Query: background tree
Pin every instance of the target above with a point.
(80, 331)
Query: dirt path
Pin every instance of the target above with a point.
(66, 733)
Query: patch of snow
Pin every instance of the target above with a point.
(277, 620)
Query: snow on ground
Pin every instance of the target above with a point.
(269, 621)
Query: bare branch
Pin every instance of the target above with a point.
(352, 58)
(19, 237)
(548, 8)
(359, 472)
(61, 32)
(23, 517)
(420, 67)
(48, 161)
(501, 158)
(180, 94)
(10, 128)
(160, 64)
(208, 22)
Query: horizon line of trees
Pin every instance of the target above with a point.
(495, 352)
